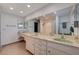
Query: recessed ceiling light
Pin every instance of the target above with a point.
(28, 6)
(21, 11)
(11, 8)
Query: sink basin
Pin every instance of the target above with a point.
(62, 40)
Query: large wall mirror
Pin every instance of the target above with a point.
(68, 18)
(64, 21)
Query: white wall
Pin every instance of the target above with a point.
(0, 30)
(9, 28)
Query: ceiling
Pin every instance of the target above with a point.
(65, 11)
(5, 7)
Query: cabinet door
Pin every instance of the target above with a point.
(61, 49)
(40, 47)
(37, 50)
(30, 44)
(27, 42)
(50, 50)
(54, 49)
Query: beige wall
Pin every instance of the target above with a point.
(46, 24)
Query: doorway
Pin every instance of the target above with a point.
(37, 26)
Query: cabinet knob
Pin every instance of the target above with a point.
(49, 51)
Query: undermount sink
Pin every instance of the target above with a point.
(62, 40)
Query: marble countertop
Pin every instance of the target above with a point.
(52, 38)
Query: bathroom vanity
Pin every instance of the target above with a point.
(53, 33)
(39, 44)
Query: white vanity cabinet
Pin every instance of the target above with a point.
(61, 49)
(30, 44)
(40, 47)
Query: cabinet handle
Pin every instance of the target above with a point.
(49, 51)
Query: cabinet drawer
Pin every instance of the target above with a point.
(42, 47)
(40, 42)
(59, 52)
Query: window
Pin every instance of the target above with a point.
(64, 25)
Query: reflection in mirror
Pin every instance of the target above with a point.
(65, 21)
(20, 25)
(68, 21)
(26, 26)
(37, 25)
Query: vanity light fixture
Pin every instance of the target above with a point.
(21, 11)
(11, 8)
(28, 6)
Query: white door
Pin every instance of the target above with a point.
(8, 29)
